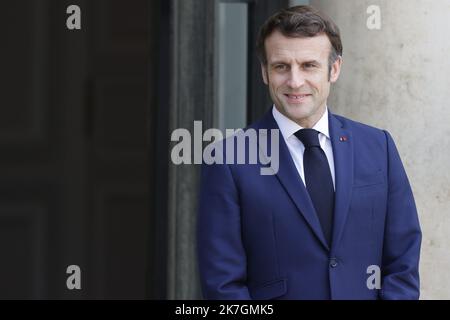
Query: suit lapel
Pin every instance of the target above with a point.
(292, 182)
(342, 144)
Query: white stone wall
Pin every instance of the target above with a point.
(398, 78)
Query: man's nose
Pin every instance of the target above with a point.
(296, 79)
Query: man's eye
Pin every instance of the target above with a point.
(309, 65)
(281, 67)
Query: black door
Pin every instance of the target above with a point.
(76, 141)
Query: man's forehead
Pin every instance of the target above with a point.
(310, 48)
(299, 56)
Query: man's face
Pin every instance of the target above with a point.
(298, 76)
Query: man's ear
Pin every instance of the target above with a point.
(336, 69)
(264, 74)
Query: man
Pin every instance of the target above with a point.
(338, 219)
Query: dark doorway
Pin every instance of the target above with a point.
(76, 139)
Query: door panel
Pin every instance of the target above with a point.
(76, 161)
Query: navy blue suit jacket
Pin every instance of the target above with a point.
(259, 236)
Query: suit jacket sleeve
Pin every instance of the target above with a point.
(402, 238)
(221, 255)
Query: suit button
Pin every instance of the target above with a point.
(333, 262)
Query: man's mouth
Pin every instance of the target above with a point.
(296, 97)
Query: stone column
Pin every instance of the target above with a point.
(191, 98)
(397, 78)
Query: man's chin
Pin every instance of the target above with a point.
(297, 110)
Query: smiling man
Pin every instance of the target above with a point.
(299, 74)
(340, 205)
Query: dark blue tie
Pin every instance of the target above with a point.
(319, 182)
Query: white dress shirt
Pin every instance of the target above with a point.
(296, 147)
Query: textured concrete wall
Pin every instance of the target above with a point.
(398, 78)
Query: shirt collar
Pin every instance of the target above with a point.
(289, 127)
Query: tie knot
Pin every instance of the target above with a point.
(309, 137)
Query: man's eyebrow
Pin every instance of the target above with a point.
(312, 62)
(278, 62)
(275, 62)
